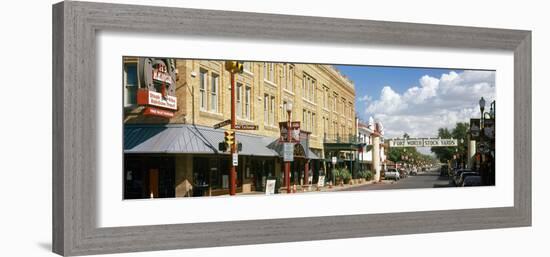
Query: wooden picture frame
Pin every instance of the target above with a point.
(74, 130)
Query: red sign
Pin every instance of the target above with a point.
(150, 111)
(148, 97)
(162, 77)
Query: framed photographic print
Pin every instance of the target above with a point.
(184, 128)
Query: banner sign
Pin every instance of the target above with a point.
(294, 131)
(423, 142)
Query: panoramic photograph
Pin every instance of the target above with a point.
(206, 128)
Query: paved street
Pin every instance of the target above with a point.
(424, 180)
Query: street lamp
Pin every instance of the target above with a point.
(288, 139)
(482, 105)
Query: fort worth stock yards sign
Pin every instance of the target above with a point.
(423, 142)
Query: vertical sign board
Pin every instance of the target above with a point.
(270, 187)
(288, 152)
(235, 159)
(334, 159)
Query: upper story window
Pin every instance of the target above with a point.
(325, 96)
(130, 84)
(247, 103)
(272, 111)
(308, 87)
(239, 100)
(214, 92)
(247, 66)
(202, 89)
(269, 70)
(334, 102)
(290, 78)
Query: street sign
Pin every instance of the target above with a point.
(334, 159)
(222, 124)
(288, 152)
(246, 127)
(235, 159)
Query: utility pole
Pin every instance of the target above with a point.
(233, 67)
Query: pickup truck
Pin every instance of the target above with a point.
(392, 174)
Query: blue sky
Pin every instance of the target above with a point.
(371, 79)
(418, 101)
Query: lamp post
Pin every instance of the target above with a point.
(288, 139)
(481, 109)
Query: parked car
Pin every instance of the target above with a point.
(392, 174)
(464, 175)
(456, 175)
(471, 181)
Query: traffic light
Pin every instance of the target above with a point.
(234, 66)
(229, 137)
(222, 147)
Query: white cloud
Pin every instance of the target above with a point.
(433, 103)
(389, 102)
(365, 98)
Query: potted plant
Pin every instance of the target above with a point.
(337, 177)
(346, 176)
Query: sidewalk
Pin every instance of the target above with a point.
(326, 188)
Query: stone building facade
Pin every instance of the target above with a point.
(322, 100)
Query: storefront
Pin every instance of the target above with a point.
(149, 176)
(183, 160)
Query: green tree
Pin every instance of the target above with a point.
(459, 132)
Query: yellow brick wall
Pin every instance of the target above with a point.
(255, 76)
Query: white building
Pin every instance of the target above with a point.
(365, 131)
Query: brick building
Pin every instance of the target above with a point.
(171, 149)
